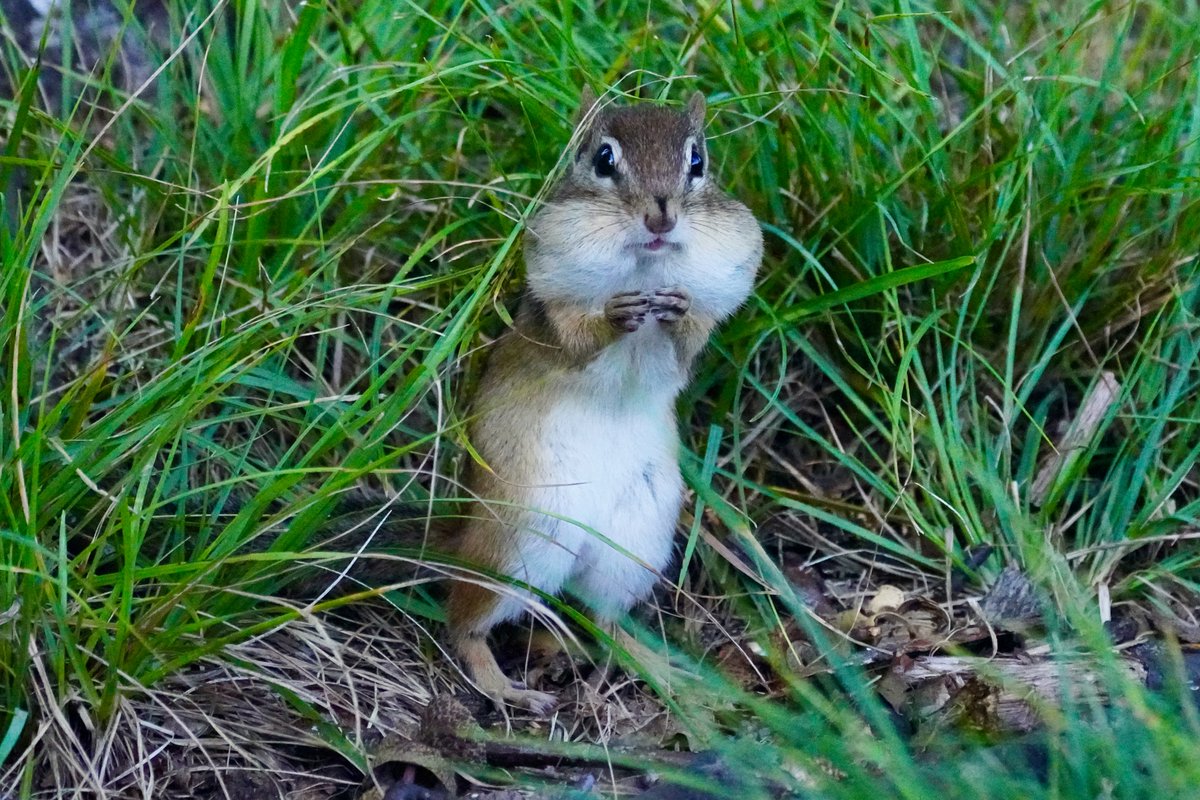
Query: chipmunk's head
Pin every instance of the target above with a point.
(637, 204)
(643, 163)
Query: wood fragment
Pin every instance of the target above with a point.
(1003, 694)
(1096, 404)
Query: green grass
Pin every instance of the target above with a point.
(269, 276)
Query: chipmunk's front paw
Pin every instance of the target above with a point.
(627, 311)
(670, 303)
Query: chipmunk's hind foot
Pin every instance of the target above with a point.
(480, 663)
(540, 703)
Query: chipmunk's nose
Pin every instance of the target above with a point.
(663, 221)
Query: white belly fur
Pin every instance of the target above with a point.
(609, 488)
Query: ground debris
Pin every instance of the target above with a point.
(1012, 603)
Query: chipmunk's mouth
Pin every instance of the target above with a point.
(659, 245)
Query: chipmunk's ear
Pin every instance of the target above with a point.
(695, 110)
(587, 102)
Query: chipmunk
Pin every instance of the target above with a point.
(632, 261)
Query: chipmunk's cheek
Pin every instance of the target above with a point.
(681, 238)
(574, 232)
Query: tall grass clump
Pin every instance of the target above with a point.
(263, 272)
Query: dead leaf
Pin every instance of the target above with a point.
(887, 597)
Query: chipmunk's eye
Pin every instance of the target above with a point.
(697, 164)
(605, 161)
